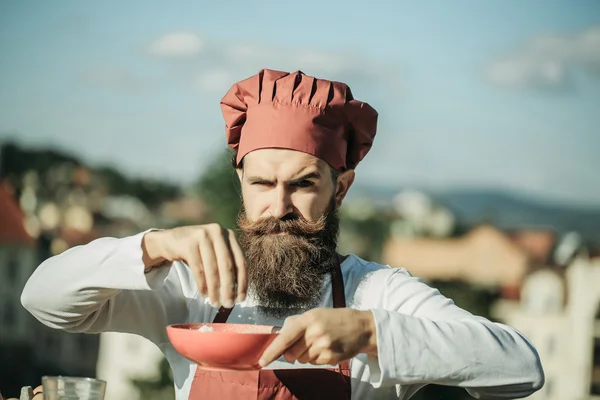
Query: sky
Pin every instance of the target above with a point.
(470, 94)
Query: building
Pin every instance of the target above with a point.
(28, 349)
(17, 262)
(484, 256)
(559, 311)
(59, 203)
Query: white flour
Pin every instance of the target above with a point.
(206, 328)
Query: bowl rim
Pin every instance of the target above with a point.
(189, 327)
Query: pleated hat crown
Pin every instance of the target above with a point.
(275, 109)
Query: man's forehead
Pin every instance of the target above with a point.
(282, 162)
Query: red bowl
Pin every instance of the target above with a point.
(228, 347)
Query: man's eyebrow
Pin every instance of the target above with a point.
(254, 179)
(259, 179)
(310, 175)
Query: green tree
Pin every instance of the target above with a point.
(152, 192)
(160, 388)
(219, 187)
(364, 237)
(17, 160)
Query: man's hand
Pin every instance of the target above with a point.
(36, 395)
(324, 336)
(211, 252)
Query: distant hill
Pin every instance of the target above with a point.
(504, 208)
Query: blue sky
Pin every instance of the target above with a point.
(470, 94)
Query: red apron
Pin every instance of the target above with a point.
(290, 384)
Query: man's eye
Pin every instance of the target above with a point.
(262, 183)
(304, 183)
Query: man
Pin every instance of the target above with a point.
(380, 332)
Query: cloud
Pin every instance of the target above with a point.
(226, 63)
(253, 57)
(214, 81)
(260, 56)
(548, 61)
(212, 66)
(177, 44)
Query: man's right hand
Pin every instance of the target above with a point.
(210, 251)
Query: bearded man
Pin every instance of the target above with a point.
(372, 331)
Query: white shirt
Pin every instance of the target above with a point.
(422, 336)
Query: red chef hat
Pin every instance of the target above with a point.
(275, 109)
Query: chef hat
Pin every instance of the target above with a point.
(275, 109)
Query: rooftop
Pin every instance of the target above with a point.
(12, 229)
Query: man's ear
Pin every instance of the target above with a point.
(344, 181)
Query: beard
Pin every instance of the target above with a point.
(286, 272)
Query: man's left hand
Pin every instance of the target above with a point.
(324, 336)
(37, 391)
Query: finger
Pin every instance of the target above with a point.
(325, 357)
(306, 357)
(297, 350)
(38, 389)
(226, 269)
(240, 263)
(314, 352)
(292, 330)
(211, 271)
(194, 261)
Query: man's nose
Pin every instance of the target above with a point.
(282, 204)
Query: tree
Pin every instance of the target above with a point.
(16, 160)
(161, 388)
(152, 192)
(219, 187)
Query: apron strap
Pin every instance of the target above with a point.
(339, 301)
(337, 286)
(222, 315)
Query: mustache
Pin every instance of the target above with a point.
(293, 225)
